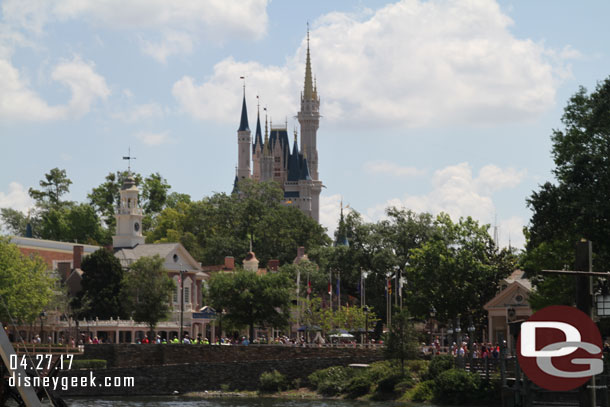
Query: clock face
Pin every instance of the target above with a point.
(136, 226)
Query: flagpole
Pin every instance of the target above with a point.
(330, 287)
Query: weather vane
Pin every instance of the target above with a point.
(129, 158)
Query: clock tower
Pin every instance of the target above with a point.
(128, 217)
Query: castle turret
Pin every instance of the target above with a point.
(244, 142)
(257, 148)
(309, 117)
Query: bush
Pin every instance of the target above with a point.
(418, 368)
(89, 364)
(456, 386)
(388, 383)
(270, 382)
(439, 364)
(358, 386)
(379, 370)
(225, 387)
(423, 391)
(330, 381)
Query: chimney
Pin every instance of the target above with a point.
(229, 263)
(273, 264)
(77, 256)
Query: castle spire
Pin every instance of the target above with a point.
(243, 123)
(258, 138)
(308, 89)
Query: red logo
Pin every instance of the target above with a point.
(560, 348)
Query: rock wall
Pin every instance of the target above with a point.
(165, 369)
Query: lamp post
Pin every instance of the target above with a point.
(471, 330)
(41, 316)
(458, 332)
(432, 315)
(450, 336)
(181, 333)
(366, 324)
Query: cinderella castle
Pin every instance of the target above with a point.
(294, 169)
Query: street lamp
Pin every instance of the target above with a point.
(471, 330)
(366, 324)
(450, 336)
(458, 332)
(41, 316)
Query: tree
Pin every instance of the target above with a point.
(147, 290)
(16, 222)
(54, 186)
(401, 343)
(577, 205)
(456, 271)
(102, 283)
(250, 299)
(25, 286)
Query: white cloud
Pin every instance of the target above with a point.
(173, 42)
(330, 209)
(154, 139)
(510, 231)
(19, 102)
(390, 168)
(139, 112)
(411, 63)
(457, 192)
(212, 20)
(16, 198)
(220, 97)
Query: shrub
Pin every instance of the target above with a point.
(456, 386)
(270, 382)
(89, 364)
(358, 386)
(379, 370)
(225, 387)
(439, 364)
(423, 391)
(418, 368)
(388, 383)
(330, 381)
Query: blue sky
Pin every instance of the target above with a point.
(431, 105)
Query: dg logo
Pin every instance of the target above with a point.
(560, 348)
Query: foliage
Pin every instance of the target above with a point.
(250, 299)
(330, 381)
(358, 385)
(439, 364)
(313, 312)
(89, 364)
(146, 291)
(577, 205)
(418, 367)
(456, 386)
(54, 186)
(421, 392)
(25, 287)
(102, 283)
(225, 225)
(456, 271)
(270, 382)
(401, 343)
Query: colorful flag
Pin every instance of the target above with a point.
(308, 287)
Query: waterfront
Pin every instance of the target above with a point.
(227, 402)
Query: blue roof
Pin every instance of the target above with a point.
(305, 170)
(243, 124)
(258, 137)
(293, 166)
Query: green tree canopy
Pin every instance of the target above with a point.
(146, 291)
(25, 286)
(54, 185)
(577, 205)
(102, 284)
(250, 299)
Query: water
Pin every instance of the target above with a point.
(226, 402)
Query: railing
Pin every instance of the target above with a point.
(46, 348)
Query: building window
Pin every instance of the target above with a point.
(187, 294)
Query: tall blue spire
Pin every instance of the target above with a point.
(293, 164)
(243, 124)
(305, 169)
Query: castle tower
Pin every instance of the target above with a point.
(244, 143)
(266, 161)
(309, 118)
(128, 217)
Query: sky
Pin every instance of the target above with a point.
(437, 105)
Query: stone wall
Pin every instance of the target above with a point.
(128, 355)
(207, 367)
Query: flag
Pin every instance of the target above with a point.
(389, 286)
(330, 288)
(308, 287)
